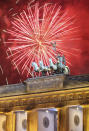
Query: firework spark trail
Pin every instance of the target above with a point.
(32, 34)
(6, 81)
(1, 69)
(28, 60)
(16, 67)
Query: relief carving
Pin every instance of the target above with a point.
(51, 99)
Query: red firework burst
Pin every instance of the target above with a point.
(34, 30)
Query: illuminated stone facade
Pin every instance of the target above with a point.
(59, 92)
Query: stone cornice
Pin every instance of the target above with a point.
(62, 93)
(48, 99)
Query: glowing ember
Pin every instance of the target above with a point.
(33, 33)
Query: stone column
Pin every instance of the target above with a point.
(3, 119)
(10, 121)
(32, 118)
(86, 117)
(62, 119)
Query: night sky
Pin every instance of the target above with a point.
(79, 61)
